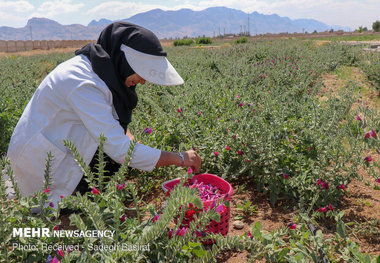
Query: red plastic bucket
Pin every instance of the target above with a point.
(214, 227)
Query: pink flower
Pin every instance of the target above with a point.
(331, 207)
(319, 181)
(292, 226)
(122, 219)
(55, 228)
(373, 134)
(189, 171)
(378, 180)
(241, 104)
(249, 235)
(179, 110)
(240, 152)
(51, 204)
(325, 185)
(199, 113)
(216, 154)
(247, 160)
(234, 136)
(367, 135)
(220, 208)
(238, 96)
(94, 191)
(47, 190)
(60, 252)
(181, 231)
(358, 118)
(228, 148)
(68, 250)
(61, 196)
(170, 234)
(340, 186)
(286, 176)
(368, 159)
(156, 217)
(322, 209)
(55, 260)
(147, 130)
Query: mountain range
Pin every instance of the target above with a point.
(211, 22)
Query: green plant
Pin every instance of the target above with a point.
(204, 40)
(241, 40)
(254, 114)
(247, 208)
(376, 26)
(183, 42)
(104, 209)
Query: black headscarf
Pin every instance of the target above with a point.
(110, 64)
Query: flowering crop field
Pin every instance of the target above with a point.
(263, 116)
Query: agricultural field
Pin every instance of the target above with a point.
(292, 125)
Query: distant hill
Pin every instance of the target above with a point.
(171, 24)
(46, 29)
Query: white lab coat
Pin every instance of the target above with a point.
(73, 103)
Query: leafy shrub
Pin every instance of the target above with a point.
(105, 208)
(204, 40)
(376, 26)
(183, 42)
(371, 66)
(241, 40)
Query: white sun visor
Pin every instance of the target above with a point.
(155, 69)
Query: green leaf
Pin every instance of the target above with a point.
(102, 203)
(200, 253)
(273, 198)
(341, 229)
(215, 217)
(283, 253)
(192, 244)
(198, 203)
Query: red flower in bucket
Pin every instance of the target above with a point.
(213, 190)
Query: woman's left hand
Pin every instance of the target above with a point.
(130, 135)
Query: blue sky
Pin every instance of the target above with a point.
(351, 13)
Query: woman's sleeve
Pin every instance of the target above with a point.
(94, 108)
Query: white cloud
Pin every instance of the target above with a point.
(51, 9)
(12, 13)
(15, 7)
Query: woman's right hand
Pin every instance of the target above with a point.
(190, 159)
(193, 160)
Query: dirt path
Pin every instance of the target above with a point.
(37, 52)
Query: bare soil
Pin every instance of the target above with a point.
(38, 52)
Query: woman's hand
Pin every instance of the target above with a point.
(130, 135)
(190, 159)
(193, 160)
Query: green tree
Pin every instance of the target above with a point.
(376, 26)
